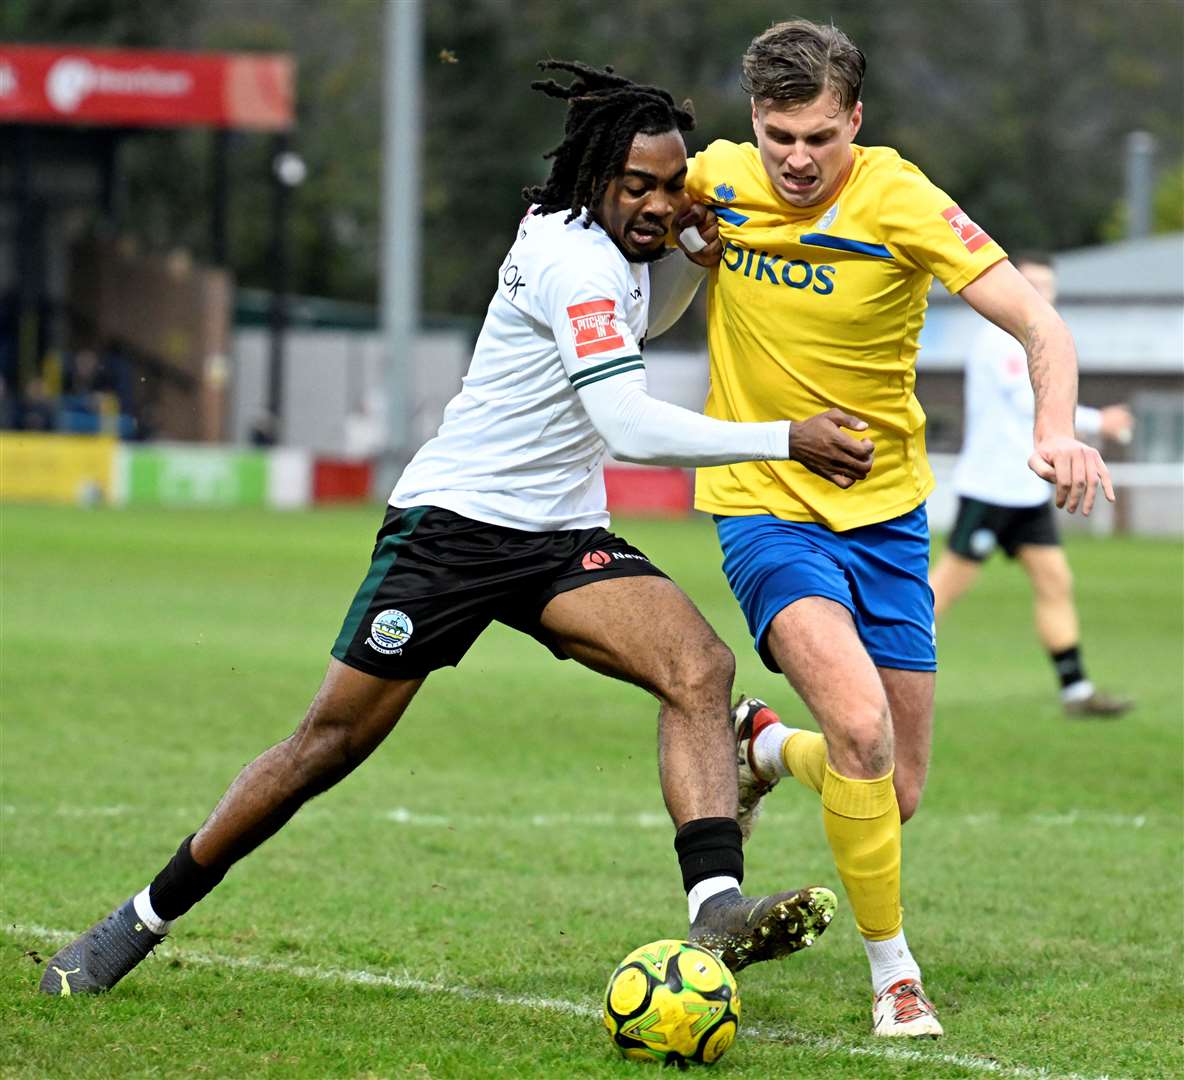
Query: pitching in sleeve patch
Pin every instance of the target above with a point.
(968, 232)
(594, 327)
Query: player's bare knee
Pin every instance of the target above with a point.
(709, 671)
(1055, 586)
(320, 752)
(719, 666)
(697, 674)
(862, 746)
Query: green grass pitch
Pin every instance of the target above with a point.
(454, 908)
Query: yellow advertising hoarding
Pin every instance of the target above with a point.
(42, 467)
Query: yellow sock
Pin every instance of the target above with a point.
(804, 755)
(862, 822)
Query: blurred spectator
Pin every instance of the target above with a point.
(87, 375)
(94, 395)
(7, 405)
(37, 409)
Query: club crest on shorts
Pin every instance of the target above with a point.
(982, 542)
(390, 631)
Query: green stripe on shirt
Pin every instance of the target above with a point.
(610, 367)
(607, 375)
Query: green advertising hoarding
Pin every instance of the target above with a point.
(196, 476)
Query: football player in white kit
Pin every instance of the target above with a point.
(1003, 504)
(501, 516)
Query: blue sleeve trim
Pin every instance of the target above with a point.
(732, 217)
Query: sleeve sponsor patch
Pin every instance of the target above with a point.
(968, 232)
(594, 327)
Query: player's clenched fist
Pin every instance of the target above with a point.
(1076, 469)
(821, 445)
(708, 249)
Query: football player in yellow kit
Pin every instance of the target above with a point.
(829, 251)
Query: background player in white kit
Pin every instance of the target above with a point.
(502, 517)
(1003, 504)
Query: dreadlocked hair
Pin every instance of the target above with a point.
(604, 113)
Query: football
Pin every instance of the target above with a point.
(672, 1003)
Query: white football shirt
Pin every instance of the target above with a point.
(518, 446)
(1000, 410)
(515, 447)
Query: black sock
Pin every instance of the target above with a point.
(709, 847)
(1068, 666)
(182, 883)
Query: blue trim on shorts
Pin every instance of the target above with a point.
(879, 573)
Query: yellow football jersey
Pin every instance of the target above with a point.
(822, 307)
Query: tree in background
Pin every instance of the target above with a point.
(1018, 108)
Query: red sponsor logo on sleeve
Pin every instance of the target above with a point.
(594, 327)
(968, 232)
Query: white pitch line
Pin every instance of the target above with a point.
(641, 819)
(763, 1032)
(401, 815)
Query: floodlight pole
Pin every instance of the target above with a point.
(288, 172)
(402, 66)
(220, 198)
(278, 315)
(1140, 155)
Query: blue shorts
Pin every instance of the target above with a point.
(880, 573)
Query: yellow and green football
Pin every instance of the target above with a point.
(672, 1003)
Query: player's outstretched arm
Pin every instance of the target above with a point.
(643, 429)
(1004, 296)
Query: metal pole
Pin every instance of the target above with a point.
(30, 246)
(279, 286)
(403, 49)
(1140, 152)
(220, 198)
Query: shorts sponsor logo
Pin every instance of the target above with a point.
(594, 327)
(968, 232)
(390, 631)
(598, 560)
(982, 542)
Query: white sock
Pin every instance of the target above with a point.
(149, 917)
(891, 961)
(1077, 691)
(706, 889)
(766, 751)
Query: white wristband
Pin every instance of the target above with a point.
(691, 239)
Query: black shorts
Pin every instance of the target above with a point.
(980, 527)
(438, 579)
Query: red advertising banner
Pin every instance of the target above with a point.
(145, 88)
